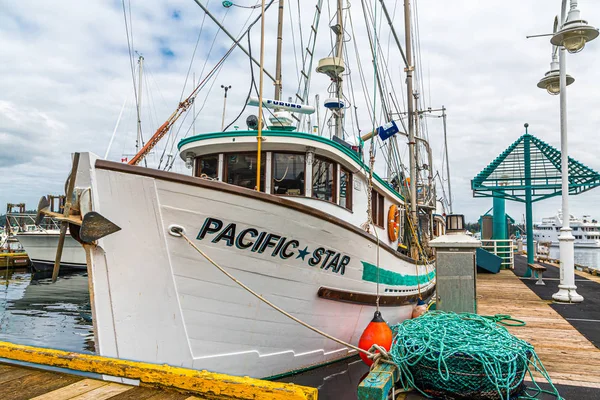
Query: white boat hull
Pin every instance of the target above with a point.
(41, 249)
(155, 299)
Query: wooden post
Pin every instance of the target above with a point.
(378, 384)
(67, 210)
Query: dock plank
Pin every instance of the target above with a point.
(141, 393)
(14, 373)
(568, 356)
(72, 390)
(35, 384)
(103, 392)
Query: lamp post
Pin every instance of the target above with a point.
(572, 36)
(226, 88)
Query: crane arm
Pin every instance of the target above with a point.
(161, 131)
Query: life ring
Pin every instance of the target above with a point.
(393, 223)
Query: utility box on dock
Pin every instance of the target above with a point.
(456, 269)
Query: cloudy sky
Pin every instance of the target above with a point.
(65, 74)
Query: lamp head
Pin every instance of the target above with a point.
(551, 81)
(575, 33)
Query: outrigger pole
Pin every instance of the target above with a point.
(411, 115)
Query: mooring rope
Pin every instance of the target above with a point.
(370, 354)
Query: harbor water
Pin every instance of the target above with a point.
(586, 257)
(36, 312)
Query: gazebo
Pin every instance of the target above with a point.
(529, 170)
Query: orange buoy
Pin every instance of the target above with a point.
(377, 332)
(393, 223)
(420, 309)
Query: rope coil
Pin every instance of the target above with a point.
(465, 356)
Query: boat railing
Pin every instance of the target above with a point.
(503, 249)
(25, 222)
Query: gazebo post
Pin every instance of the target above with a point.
(528, 202)
(499, 217)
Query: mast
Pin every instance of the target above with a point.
(411, 114)
(278, 83)
(447, 161)
(194, 106)
(339, 48)
(138, 141)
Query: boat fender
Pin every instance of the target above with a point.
(377, 332)
(420, 309)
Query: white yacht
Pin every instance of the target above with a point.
(586, 230)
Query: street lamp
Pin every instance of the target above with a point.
(551, 81)
(572, 36)
(574, 32)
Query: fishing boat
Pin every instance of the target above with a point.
(586, 230)
(41, 244)
(40, 241)
(299, 218)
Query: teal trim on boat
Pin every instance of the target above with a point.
(299, 135)
(393, 278)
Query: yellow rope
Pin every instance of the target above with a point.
(178, 231)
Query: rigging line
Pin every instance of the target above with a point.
(200, 86)
(129, 46)
(294, 43)
(360, 70)
(212, 73)
(425, 127)
(243, 31)
(149, 71)
(194, 92)
(372, 41)
(187, 76)
(249, 90)
(329, 24)
(353, 116)
(300, 30)
(386, 74)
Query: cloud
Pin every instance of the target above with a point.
(66, 74)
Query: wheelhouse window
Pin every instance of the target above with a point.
(288, 174)
(241, 170)
(323, 179)
(207, 166)
(345, 198)
(377, 208)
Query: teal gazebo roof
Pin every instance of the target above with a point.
(531, 163)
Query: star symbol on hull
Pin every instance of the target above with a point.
(303, 253)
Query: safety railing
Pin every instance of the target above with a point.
(503, 249)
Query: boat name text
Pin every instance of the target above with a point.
(263, 242)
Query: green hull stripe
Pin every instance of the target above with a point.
(393, 278)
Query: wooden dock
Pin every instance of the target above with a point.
(175, 382)
(568, 356)
(19, 383)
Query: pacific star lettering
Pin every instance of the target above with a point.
(261, 243)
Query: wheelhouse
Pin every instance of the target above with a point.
(312, 170)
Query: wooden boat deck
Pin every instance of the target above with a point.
(567, 355)
(20, 383)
